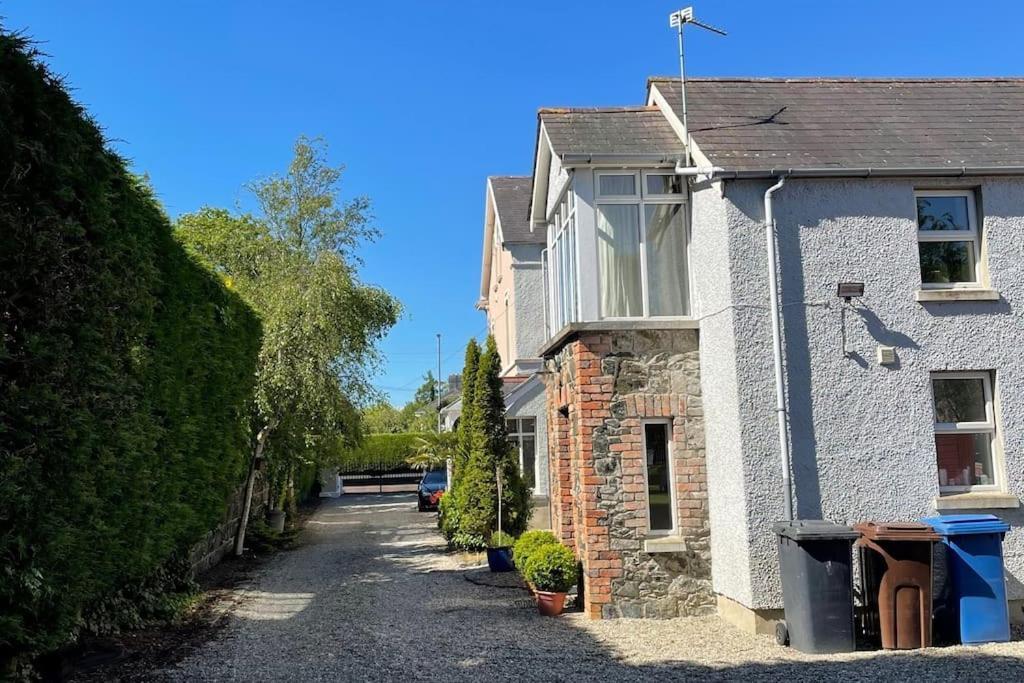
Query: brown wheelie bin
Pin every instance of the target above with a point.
(896, 578)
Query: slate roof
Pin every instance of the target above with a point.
(512, 204)
(629, 131)
(760, 124)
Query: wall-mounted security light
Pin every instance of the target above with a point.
(850, 290)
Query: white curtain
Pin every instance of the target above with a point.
(618, 256)
(666, 259)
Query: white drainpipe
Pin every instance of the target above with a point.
(776, 313)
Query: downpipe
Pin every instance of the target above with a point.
(776, 315)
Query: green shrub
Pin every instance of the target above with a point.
(448, 516)
(126, 371)
(528, 543)
(552, 568)
(380, 452)
(499, 539)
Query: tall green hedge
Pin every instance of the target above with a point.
(126, 370)
(380, 453)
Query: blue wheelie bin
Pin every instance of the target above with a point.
(974, 555)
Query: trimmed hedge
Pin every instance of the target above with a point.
(126, 370)
(380, 453)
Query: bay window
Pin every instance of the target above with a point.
(641, 244)
(560, 269)
(965, 430)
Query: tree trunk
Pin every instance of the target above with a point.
(261, 442)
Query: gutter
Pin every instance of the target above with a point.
(864, 172)
(625, 159)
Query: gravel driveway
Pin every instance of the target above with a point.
(371, 595)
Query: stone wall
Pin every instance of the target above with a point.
(219, 541)
(601, 387)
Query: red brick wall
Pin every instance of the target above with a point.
(600, 388)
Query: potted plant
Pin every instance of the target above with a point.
(499, 552)
(524, 548)
(552, 570)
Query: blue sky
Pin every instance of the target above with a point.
(422, 101)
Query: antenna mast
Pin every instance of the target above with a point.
(677, 20)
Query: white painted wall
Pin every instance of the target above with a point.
(528, 295)
(862, 436)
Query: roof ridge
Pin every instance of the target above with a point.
(841, 79)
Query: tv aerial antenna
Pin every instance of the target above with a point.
(678, 20)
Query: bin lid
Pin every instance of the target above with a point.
(896, 531)
(814, 530)
(955, 525)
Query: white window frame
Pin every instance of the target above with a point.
(518, 434)
(562, 262)
(987, 427)
(639, 199)
(670, 455)
(546, 276)
(972, 235)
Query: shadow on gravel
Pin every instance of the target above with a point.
(468, 624)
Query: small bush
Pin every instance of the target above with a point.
(552, 568)
(499, 539)
(468, 542)
(528, 543)
(263, 540)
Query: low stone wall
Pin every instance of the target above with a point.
(219, 541)
(601, 388)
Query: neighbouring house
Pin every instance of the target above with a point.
(512, 296)
(665, 464)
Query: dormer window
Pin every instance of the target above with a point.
(641, 244)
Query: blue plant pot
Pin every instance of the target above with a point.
(500, 559)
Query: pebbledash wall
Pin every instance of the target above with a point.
(862, 434)
(601, 385)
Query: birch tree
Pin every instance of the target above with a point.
(295, 261)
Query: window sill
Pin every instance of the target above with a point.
(664, 544)
(978, 500)
(956, 294)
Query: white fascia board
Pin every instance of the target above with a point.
(489, 220)
(541, 170)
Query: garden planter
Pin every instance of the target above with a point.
(275, 518)
(500, 559)
(550, 604)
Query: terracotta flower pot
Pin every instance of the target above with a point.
(550, 604)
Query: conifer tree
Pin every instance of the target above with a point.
(448, 513)
(477, 497)
(467, 422)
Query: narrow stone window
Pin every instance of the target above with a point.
(658, 462)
